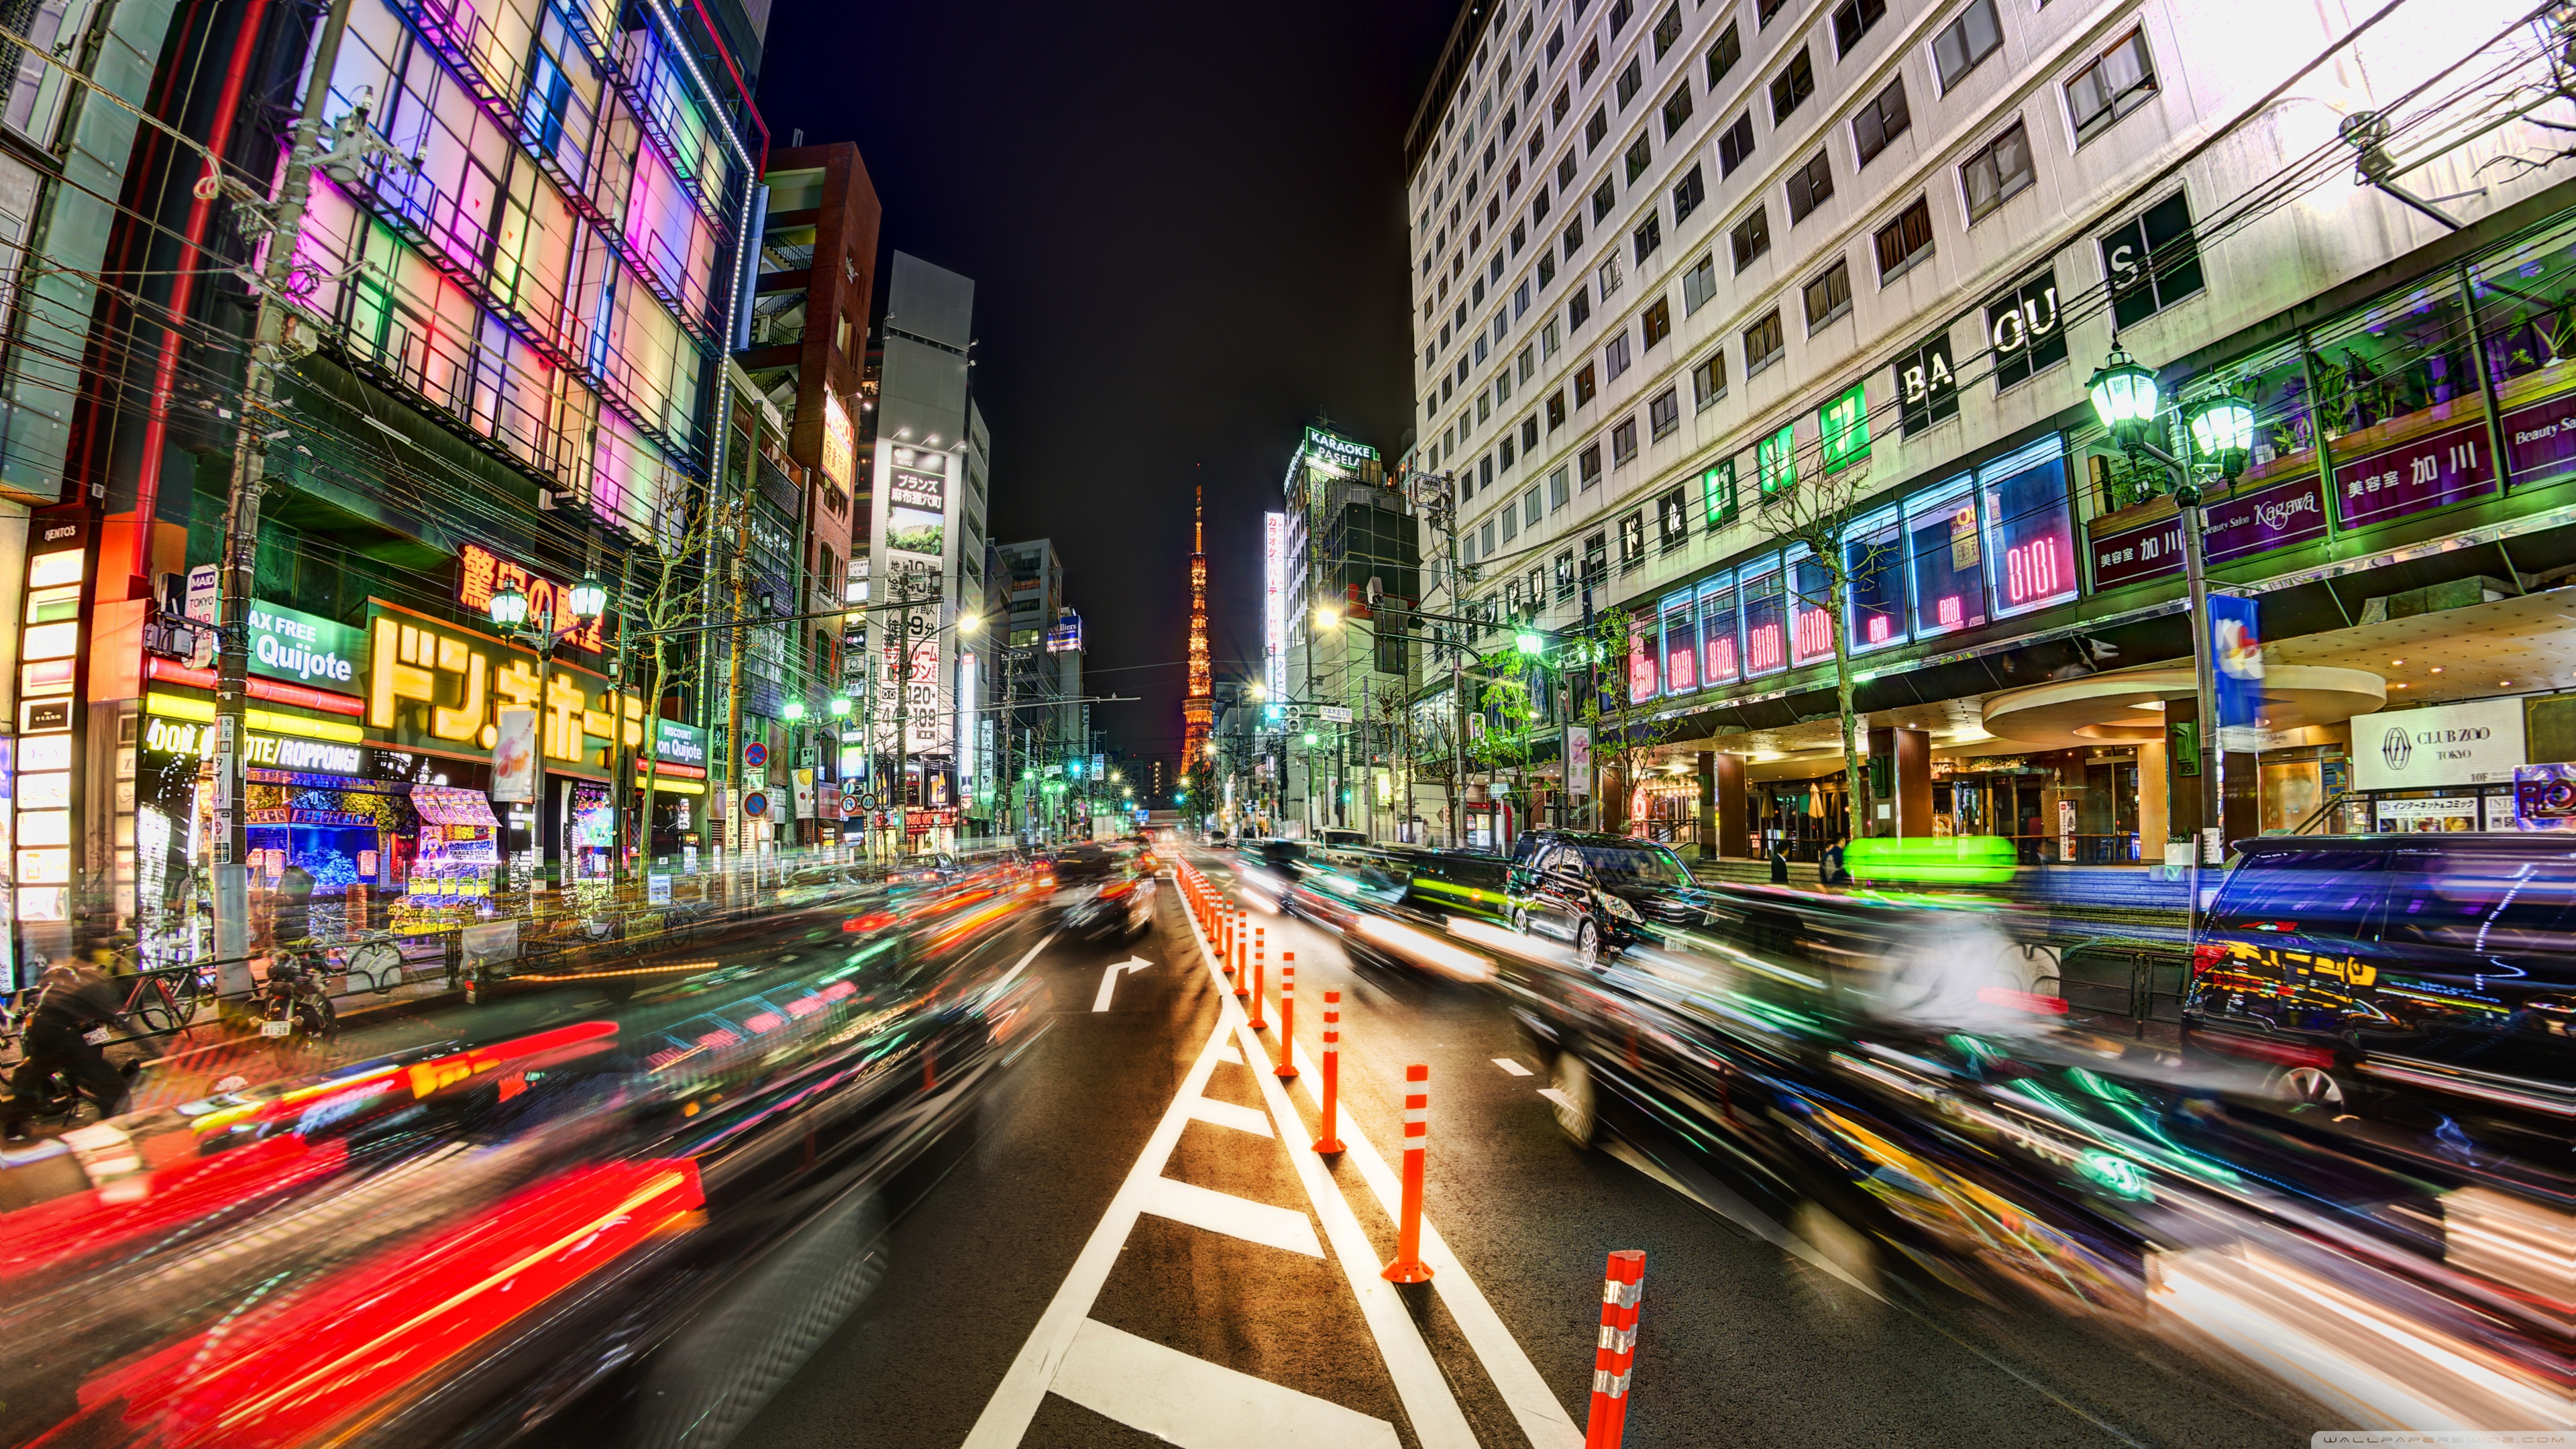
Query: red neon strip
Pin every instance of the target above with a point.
(274, 691)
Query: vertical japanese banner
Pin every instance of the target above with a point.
(1578, 759)
(2236, 658)
(514, 757)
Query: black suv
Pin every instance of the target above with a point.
(1599, 893)
(2398, 965)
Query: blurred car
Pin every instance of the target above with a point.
(2385, 971)
(1599, 893)
(1103, 894)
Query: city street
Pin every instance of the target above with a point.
(1138, 1245)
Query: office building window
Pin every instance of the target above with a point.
(1590, 62)
(1631, 79)
(1809, 187)
(1852, 20)
(1556, 410)
(1623, 442)
(1565, 168)
(1620, 11)
(2123, 79)
(1615, 356)
(1584, 388)
(1587, 464)
(1723, 55)
(1828, 295)
(1565, 575)
(1763, 343)
(1657, 320)
(1596, 128)
(1927, 385)
(1649, 235)
(1578, 309)
(1639, 155)
(1999, 171)
(2152, 261)
(1530, 507)
(1965, 42)
(1596, 558)
(1668, 31)
(1903, 242)
(1708, 380)
(1573, 236)
(1688, 193)
(1672, 521)
(1750, 239)
(1664, 414)
(1529, 433)
(1604, 197)
(1677, 110)
(1608, 273)
(1791, 87)
(1735, 147)
(1881, 121)
(1632, 541)
(1699, 283)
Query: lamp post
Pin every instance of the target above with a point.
(2126, 398)
(509, 609)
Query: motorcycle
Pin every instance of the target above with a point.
(296, 995)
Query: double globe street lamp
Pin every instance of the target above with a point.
(588, 601)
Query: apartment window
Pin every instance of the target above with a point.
(1556, 410)
(1530, 508)
(1609, 275)
(1639, 155)
(1620, 11)
(1966, 41)
(1632, 541)
(1565, 574)
(1520, 299)
(1672, 520)
(1677, 110)
(1485, 470)
(1648, 236)
(1546, 269)
(1664, 414)
(1881, 121)
(1615, 356)
(1529, 433)
(1538, 212)
(1584, 387)
(1904, 241)
(1828, 296)
(1484, 405)
(1763, 343)
(1699, 283)
(1631, 80)
(1596, 128)
(1510, 519)
(1528, 363)
(1547, 338)
(1708, 380)
(1556, 47)
(1559, 491)
(1723, 55)
(1795, 82)
(1997, 173)
(1596, 558)
(1604, 197)
(1735, 147)
(1565, 171)
(1668, 31)
(1587, 464)
(1927, 385)
(1578, 309)
(1809, 187)
(1657, 321)
(1769, 8)
(1590, 62)
(1751, 238)
(2152, 262)
(2111, 87)
(1852, 20)
(1688, 193)
(1623, 442)
(1507, 452)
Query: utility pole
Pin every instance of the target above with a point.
(241, 506)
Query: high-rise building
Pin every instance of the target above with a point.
(1198, 708)
(1040, 706)
(1350, 558)
(1685, 278)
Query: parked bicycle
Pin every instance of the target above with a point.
(373, 961)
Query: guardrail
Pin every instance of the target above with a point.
(2141, 983)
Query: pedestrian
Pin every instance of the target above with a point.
(291, 919)
(1830, 866)
(67, 1021)
(1779, 864)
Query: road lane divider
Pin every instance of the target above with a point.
(1326, 1141)
(1407, 1267)
(1614, 1362)
(1543, 1420)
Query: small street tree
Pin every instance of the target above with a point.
(1622, 729)
(667, 595)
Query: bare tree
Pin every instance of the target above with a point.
(668, 600)
(1818, 511)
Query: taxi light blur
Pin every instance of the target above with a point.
(1956, 860)
(873, 921)
(2030, 1001)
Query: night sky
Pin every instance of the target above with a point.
(1185, 225)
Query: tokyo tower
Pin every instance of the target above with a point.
(1198, 710)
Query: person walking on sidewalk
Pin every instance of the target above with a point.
(67, 1018)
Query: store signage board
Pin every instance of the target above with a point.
(1333, 713)
(2141, 551)
(2266, 518)
(305, 648)
(679, 744)
(434, 686)
(480, 573)
(2540, 438)
(2476, 743)
(2450, 466)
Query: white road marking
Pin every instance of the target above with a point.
(1006, 1416)
(1715, 1197)
(1023, 963)
(1230, 1053)
(1200, 1405)
(1236, 1217)
(1513, 1067)
(1109, 978)
(1227, 1114)
(1559, 1098)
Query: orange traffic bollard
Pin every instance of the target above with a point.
(1408, 1266)
(1287, 1014)
(1242, 935)
(1260, 967)
(1622, 1284)
(1243, 978)
(1329, 1142)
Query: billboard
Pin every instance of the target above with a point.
(840, 442)
(1274, 605)
(2478, 742)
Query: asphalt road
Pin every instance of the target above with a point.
(1138, 1245)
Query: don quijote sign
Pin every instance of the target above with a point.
(2476, 743)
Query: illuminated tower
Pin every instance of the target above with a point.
(1198, 711)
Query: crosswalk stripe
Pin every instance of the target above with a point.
(1513, 1067)
(1200, 1405)
(1227, 1114)
(1240, 1217)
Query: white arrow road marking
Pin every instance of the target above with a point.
(1109, 979)
(1236, 1217)
(1227, 1114)
(1200, 1405)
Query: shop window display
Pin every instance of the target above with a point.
(1811, 604)
(1722, 652)
(1766, 618)
(2030, 534)
(2398, 399)
(1874, 562)
(2526, 310)
(1945, 551)
(1681, 643)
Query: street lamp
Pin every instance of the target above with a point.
(794, 711)
(840, 706)
(2124, 395)
(509, 612)
(2222, 430)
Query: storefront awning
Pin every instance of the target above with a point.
(450, 805)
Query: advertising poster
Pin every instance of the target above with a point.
(2236, 655)
(2479, 742)
(804, 788)
(514, 757)
(2544, 797)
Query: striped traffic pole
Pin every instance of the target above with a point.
(1408, 1266)
(1328, 1142)
(1242, 935)
(1622, 1285)
(1260, 967)
(1243, 978)
(1287, 1013)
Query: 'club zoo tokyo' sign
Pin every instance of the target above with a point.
(433, 686)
